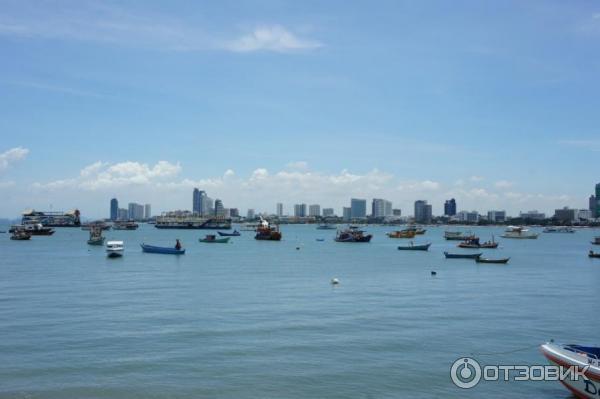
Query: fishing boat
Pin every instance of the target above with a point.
(96, 236)
(561, 229)
(235, 233)
(417, 230)
(326, 226)
(114, 249)
(402, 234)
(212, 239)
(596, 241)
(352, 235)
(519, 232)
(487, 260)
(320, 239)
(187, 221)
(97, 224)
(473, 242)
(412, 247)
(125, 225)
(456, 236)
(35, 229)
(593, 254)
(462, 256)
(584, 358)
(266, 232)
(20, 235)
(152, 249)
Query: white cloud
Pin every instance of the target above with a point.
(476, 178)
(272, 38)
(503, 184)
(13, 155)
(301, 165)
(418, 186)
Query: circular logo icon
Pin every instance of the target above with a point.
(465, 372)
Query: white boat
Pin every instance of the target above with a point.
(562, 229)
(114, 249)
(580, 357)
(519, 232)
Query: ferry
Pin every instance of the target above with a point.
(52, 219)
(567, 355)
(125, 225)
(192, 222)
(519, 232)
(34, 229)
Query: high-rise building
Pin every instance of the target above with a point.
(450, 207)
(597, 200)
(532, 215)
(122, 214)
(314, 210)
(250, 214)
(208, 206)
(327, 212)
(147, 211)
(396, 212)
(279, 209)
(566, 214)
(197, 201)
(381, 208)
(468, 217)
(300, 210)
(592, 206)
(358, 208)
(135, 211)
(496, 216)
(219, 209)
(347, 214)
(114, 209)
(234, 212)
(423, 212)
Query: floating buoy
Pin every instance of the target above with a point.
(335, 281)
(433, 273)
(298, 248)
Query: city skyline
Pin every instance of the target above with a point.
(492, 105)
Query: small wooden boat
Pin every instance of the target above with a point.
(352, 235)
(593, 254)
(412, 247)
(114, 249)
(457, 236)
(34, 229)
(596, 241)
(462, 256)
(211, 238)
(96, 241)
(584, 358)
(234, 234)
(96, 236)
(402, 234)
(20, 235)
(473, 242)
(487, 260)
(326, 226)
(152, 249)
(320, 239)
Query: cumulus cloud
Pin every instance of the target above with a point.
(272, 38)
(476, 178)
(11, 156)
(503, 184)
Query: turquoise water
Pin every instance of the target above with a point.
(260, 319)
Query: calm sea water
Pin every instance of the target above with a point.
(256, 319)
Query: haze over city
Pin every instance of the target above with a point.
(266, 102)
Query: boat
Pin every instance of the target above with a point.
(560, 229)
(249, 227)
(52, 219)
(519, 232)
(152, 249)
(487, 260)
(97, 224)
(320, 239)
(417, 230)
(585, 359)
(326, 226)
(125, 225)
(412, 247)
(402, 234)
(35, 229)
(211, 238)
(352, 235)
(187, 221)
(473, 242)
(20, 235)
(234, 234)
(593, 254)
(462, 256)
(596, 241)
(96, 236)
(457, 236)
(266, 232)
(114, 249)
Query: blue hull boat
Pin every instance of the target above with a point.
(162, 250)
(234, 234)
(462, 256)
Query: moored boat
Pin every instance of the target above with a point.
(596, 241)
(20, 235)
(402, 234)
(114, 249)
(352, 235)
(212, 239)
(52, 219)
(473, 242)
(326, 226)
(593, 254)
(266, 232)
(457, 236)
(125, 225)
(235, 233)
(519, 232)
(96, 236)
(488, 260)
(162, 250)
(97, 224)
(35, 229)
(559, 229)
(462, 256)
(586, 359)
(412, 247)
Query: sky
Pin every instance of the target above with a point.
(258, 102)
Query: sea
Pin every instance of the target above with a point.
(261, 319)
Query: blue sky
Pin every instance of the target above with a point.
(258, 102)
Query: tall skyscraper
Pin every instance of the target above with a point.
(250, 214)
(592, 206)
(358, 208)
(147, 211)
(197, 201)
(114, 209)
(135, 211)
(219, 209)
(314, 210)
(327, 212)
(450, 207)
(300, 210)
(234, 212)
(381, 208)
(347, 214)
(423, 212)
(598, 200)
(207, 206)
(122, 214)
(279, 209)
